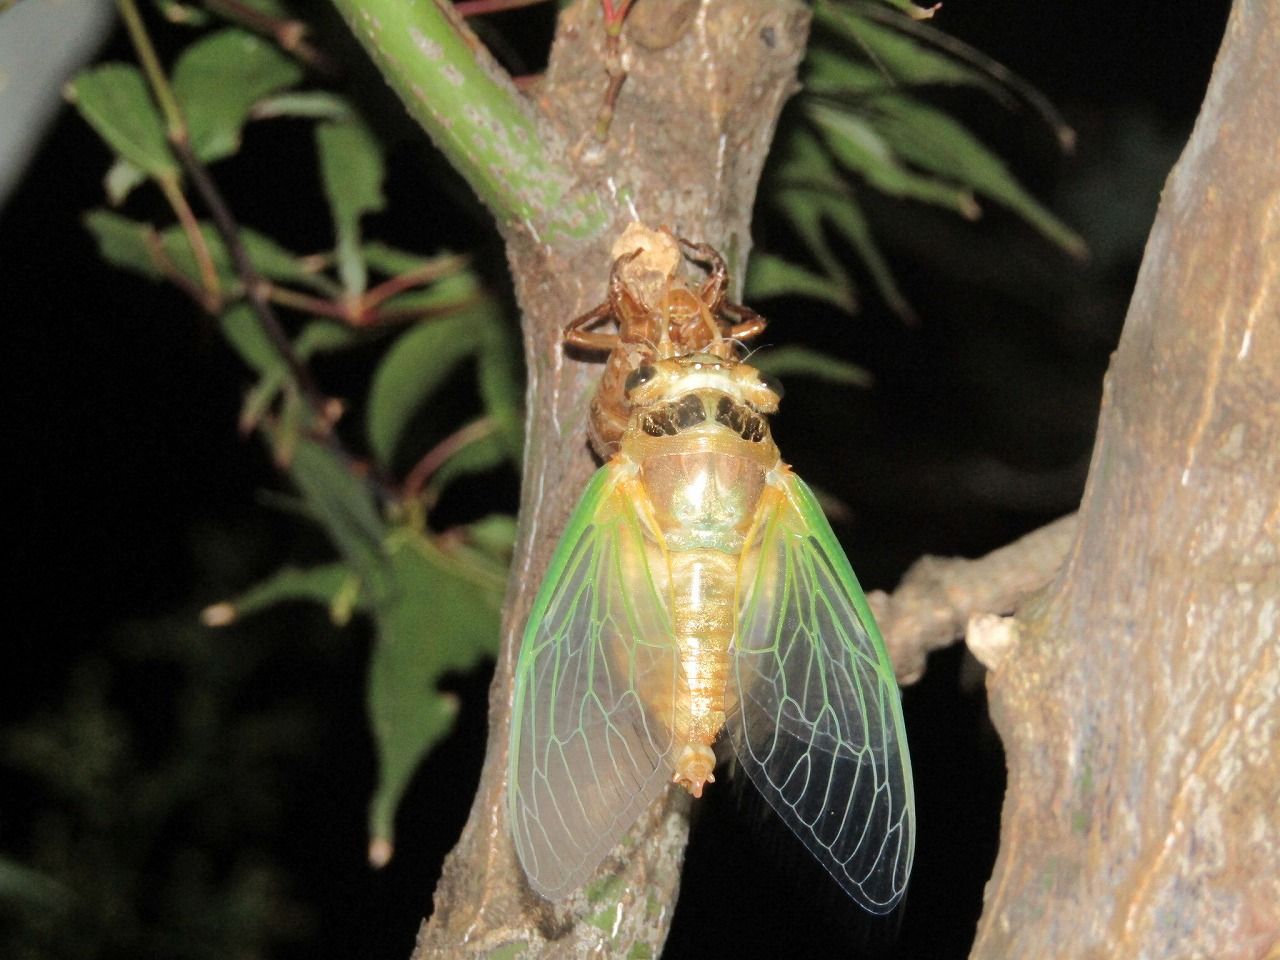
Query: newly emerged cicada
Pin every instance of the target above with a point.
(699, 594)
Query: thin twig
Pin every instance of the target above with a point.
(289, 35)
(435, 458)
(932, 605)
(255, 287)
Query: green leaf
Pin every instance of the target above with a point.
(123, 242)
(859, 146)
(127, 243)
(771, 276)
(494, 536)
(243, 331)
(122, 179)
(30, 888)
(447, 293)
(903, 58)
(391, 261)
(330, 585)
(413, 370)
(441, 614)
(485, 451)
(934, 141)
(343, 503)
(809, 209)
(114, 100)
(218, 79)
(308, 104)
(351, 169)
(802, 361)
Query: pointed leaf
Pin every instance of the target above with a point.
(114, 100)
(343, 503)
(441, 614)
(218, 79)
(414, 368)
(351, 170)
(123, 242)
(771, 276)
(310, 104)
(121, 180)
(802, 361)
(905, 59)
(322, 584)
(934, 141)
(858, 145)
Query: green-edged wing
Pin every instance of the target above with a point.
(588, 752)
(819, 727)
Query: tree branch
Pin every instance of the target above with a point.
(472, 111)
(1139, 702)
(938, 596)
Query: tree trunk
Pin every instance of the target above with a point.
(1139, 703)
(693, 123)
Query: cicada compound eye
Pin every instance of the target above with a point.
(638, 377)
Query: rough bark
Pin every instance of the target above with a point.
(693, 123)
(1139, 707)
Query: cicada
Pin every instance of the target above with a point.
(698, 595)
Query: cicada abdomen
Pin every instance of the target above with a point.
(698, 594)
(657, 316)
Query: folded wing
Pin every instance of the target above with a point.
(819, 724)
(590, 745)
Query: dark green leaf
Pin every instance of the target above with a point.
(311, 104)
(934, 141)
(218, 80)
(343, 503)
(114, 100)
(127, 243)
(392, 262)
(244, 332)
(414, 368)
(351, 169)
(802, 361)
(123, 242)
(771, 276)
(859, 146)
(441, 614)
(900, 58)
(808, 210)
(331, 585)
(485, 451)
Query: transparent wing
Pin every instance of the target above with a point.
(591, 738)
(819, 724)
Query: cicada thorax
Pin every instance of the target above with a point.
(699, 447)
(656, 321)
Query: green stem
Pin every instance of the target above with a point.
(466, 102)
(176, 127)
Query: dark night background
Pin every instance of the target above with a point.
(139, 503)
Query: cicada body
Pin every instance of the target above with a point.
(698, 593)
(657, 316)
